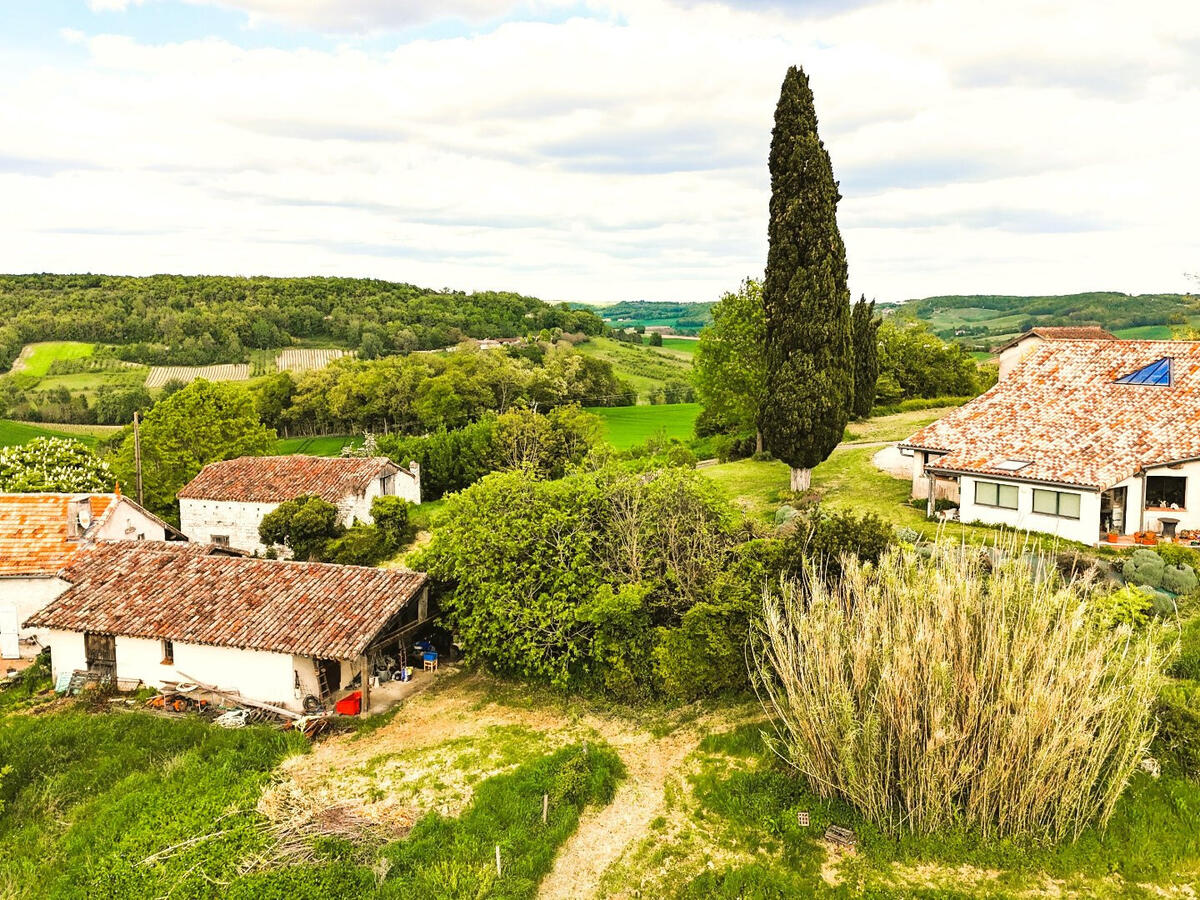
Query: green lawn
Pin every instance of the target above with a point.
(626, 426)
(14, 433)
(321, 445)
(894, 427)
(41, 355)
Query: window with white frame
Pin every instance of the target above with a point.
(1062, 504)
(990, 493)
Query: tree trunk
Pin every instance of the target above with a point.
(801, 480)
(758, 442)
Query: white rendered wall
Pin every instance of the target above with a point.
(201, 519)
(126, 522)
(1189, 517)
(1009, 359)
(20, 598)
(66, 651)
(1085, 529)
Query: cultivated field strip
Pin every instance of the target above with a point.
(160, 375)
(299, 360)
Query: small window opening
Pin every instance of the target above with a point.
(1166, 491)
(221, 540)
(168, 651)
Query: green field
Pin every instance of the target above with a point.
(36, 358)
(683, 345)
(1145, 333)
(14, 433)
(626, 426)
(320, 445)
(647, 369)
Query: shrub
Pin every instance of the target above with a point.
(956, 693)
(1179, 579)
(1187, 663)
(1178, 739)
(1144, 567)
(362, 545)
(1178, 555)
(390, 515)
(1131, 605)
(827, 536)
(304, 525)
(53, 464)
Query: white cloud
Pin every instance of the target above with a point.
(1032, 149)
(112, 5)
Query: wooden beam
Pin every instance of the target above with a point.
(366, 685)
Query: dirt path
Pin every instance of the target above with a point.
(604, 834)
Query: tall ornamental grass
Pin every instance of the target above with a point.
(945, 692)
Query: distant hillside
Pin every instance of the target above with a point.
(684, 318)
(983, 321)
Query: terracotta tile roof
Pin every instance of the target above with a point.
(1063, 333)
(183, 594)
(274, 479)
(1061, 410)
(35, 535)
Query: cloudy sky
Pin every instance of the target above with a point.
(600, 149)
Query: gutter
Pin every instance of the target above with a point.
(957, 473)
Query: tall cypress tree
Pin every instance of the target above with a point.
(810, 377)
(864, 328)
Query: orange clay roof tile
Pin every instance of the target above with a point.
(1061, 409)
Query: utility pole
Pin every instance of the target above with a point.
(137, 458)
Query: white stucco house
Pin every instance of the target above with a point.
(41, 533)
(1083, 439)
(1027, 341)
(225, 503)
(269, 630)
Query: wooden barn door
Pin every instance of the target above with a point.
(100, 650)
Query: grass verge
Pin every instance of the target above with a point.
(627, 426)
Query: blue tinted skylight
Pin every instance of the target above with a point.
(1158, 372)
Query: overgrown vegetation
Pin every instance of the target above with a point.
(55, 465)
(954, 692)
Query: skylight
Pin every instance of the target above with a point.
(1012, 465)
(1158, 372)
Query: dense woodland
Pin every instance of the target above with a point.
(199, 320)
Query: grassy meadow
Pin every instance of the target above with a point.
(626, 426)
(319, 445)
(36, 359)
(15, 433)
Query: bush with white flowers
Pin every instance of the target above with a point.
(53, 464)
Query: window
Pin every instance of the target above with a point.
(1166, 491)
(168, 649)
(1056, 503)
(221, 540)
(387, 485)
(988, 493)
(1157, 373)
(1013, 465)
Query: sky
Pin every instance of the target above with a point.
(600, 150)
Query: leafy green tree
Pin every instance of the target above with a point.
(729, 365)
(656, 339)
(920, 364)
(865, 330)
(53, 464)
(390, 515)
(117, 407)
(810, 378)
(205, 422)
(305, 526)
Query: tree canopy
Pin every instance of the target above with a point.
(865, 334)
(810, 378)
(205, 422)
(730, 369)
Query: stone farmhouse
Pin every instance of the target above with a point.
(42, 533)
(1083, 439)
(268, 630)
(225, 503)
(1023, 344)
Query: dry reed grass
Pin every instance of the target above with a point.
(957, 692)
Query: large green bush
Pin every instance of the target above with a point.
(576, 581)
(1144, 567)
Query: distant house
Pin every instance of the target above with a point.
(1020, 346)
(269, 630)
(1083, 438)
(226, 501)
(41, 533)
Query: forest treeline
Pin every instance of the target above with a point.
(202, 319)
